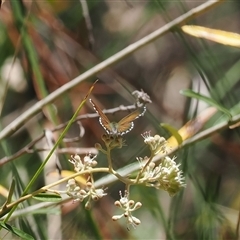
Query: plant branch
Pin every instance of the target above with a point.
(38, 172)
(29, 147)
(45, 188)
(18, 122)
(198, 137)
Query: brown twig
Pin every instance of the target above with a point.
(18, 122)
(29, 147)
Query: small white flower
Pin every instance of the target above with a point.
(77, 163)
(79, 194)
(166, 176)
(128, 206)
(96, 194)
(88, 162)
(74, 191)
(157, 144)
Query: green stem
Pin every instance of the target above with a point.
(109, 159)
(51, 152)
(111, 170)
(21, 18)
(45, 188)
(143, 169)
(17, 123)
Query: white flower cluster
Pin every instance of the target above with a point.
(88, 162)
(79, 194)
(128, 206)
(166, 176)
(157, 144)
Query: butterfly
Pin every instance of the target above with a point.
(120, 128)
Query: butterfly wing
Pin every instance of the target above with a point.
(103, 119)
(132, 116)
(126, 124)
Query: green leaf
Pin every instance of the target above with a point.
(210, 101)
(16, 231)
(173, 131)
(47, 197)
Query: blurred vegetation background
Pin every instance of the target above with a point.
(46, 44)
